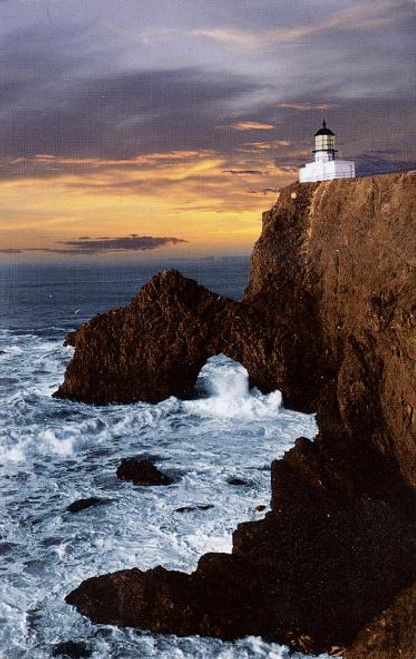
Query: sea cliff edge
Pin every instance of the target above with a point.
(329, 317)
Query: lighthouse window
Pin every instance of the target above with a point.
(325, 142)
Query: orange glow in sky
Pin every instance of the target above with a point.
(198, 197)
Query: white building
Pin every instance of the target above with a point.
(326, 167)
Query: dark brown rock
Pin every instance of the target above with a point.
(392, 635)
(83, 504)
(330, 318)
(72, 650)
(141, 472)
(234, 480)
(303, 576)
(150, 350)
(191, 509)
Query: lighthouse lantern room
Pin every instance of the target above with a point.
(326, 166)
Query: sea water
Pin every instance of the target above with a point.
(53, 452)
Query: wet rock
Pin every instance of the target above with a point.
(82, 504)
(123, 356)
(141, 472)
(329, 318)
(392, 635)
(234, 480)
(191, 509)
(6, 547)
(72, 650)
(297, 577)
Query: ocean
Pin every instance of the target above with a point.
(53, 452)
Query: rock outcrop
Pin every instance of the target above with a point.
(83, 504)
(329, 317)
(141, 472)
(392, 635)
(152, 349)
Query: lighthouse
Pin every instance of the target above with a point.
(326, 166)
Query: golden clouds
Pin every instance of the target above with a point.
(251, 125)
(213, 203)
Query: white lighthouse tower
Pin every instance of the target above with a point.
(326, 166)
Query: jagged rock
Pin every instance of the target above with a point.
(392, 635)
(330, 318)
(191, 509)
(234, 480)
(308, 575)
(72, 650)
(82, 504)
(141, 472)
(150, 350)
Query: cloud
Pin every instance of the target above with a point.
(307, 107)
(251, 125)
(49, 107)
(360, 17)
(229, 37)
(243, 172)
(99, 168)
(367, 164)
(263, 191)
(132, 243)
(265, 146)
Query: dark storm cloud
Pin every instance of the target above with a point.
(49, 106)
(367, 164)
(132, 243)
(123, 115)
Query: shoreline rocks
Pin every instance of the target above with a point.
(141, 472)
(83, 504)
(329, 317)
(72, 650)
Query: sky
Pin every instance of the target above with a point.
(144, 127)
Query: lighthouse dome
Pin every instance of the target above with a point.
(324, 130)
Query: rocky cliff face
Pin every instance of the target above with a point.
(329, 318)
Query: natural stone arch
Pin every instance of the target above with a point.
(153, 348)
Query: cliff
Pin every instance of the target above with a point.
(329, 318)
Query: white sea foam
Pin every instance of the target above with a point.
(227, 385)
(54, 452)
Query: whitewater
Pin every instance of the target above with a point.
(54, 452)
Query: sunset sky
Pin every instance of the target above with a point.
(168, 126)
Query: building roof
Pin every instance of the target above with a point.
(324, 130)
